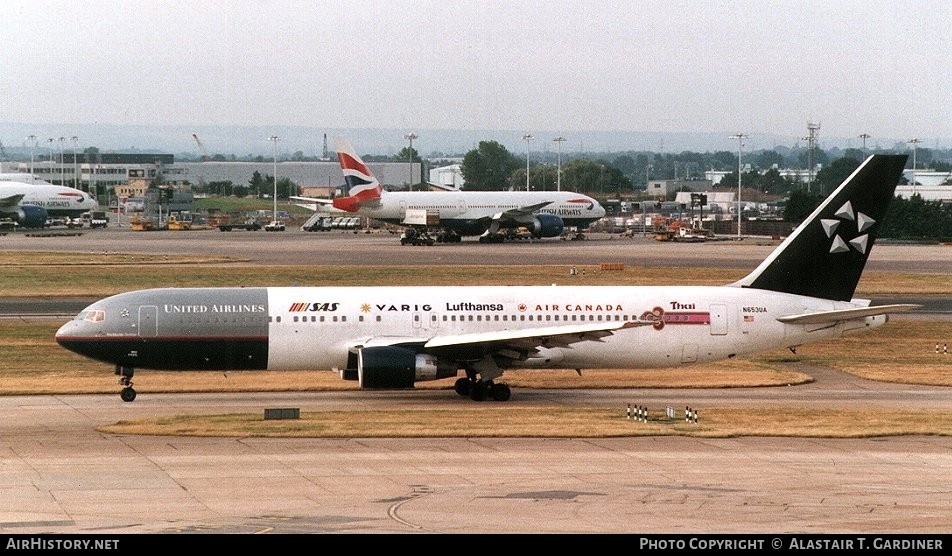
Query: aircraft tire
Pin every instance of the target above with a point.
(479, 391)
(500, 392)
(127, 394)
(463, 386)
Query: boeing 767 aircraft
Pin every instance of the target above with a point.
(459, 213)
(394, 337)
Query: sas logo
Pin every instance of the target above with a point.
(846, 213)
(313, 307)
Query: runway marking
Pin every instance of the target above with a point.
(418, 492)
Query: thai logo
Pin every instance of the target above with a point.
(860, 242)
(659, 317)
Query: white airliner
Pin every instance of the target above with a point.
(393, 337)
(31, 203)
(486, 214)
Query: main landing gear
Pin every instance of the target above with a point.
(127, 393)
(479, 390)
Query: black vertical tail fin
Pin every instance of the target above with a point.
(825, 256)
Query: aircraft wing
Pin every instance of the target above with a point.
(509, 342)
(831, 317)
(11, 200)
(520, 214)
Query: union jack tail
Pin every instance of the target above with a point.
(362, 186)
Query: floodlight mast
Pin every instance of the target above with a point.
(527, 137)
(274, 139)
(410, 137)
(558, 176)
(740, 149)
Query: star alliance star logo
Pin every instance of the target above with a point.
(863, 223)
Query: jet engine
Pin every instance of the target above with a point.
(398, 367)
(546, 225)
(31, 216)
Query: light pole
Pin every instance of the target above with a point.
(75, 170)
(740, 149)
(410, 137)
(32, 139)
(62, 162)
(558, 175)
(50, 141)
(644, 205)
(914, 143)
(527, 137)
(864, 137)
(274, 213)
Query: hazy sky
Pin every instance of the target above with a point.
(871, 66)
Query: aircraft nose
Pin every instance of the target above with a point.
(69, 330)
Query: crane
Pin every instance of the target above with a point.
(201, 147)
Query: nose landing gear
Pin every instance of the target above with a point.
(127, 393)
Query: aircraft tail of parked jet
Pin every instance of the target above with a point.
(362, 187)
(394, 337)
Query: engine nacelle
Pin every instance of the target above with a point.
(31, 216)
(547, 225)
(398, 367)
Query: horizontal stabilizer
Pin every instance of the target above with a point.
(847, 314)
(312, 200)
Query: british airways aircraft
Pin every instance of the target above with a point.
(30, 204)
(392, 337)
(486, 214)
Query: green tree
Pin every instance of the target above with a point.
(222, 188)
(256, 185)
(832, 175)
(800, 205)
(405, 154)
(489, 167)
(285, 188)
(594, 177)
(773, 183)
(767, 159)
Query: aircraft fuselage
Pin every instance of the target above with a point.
(286, 328)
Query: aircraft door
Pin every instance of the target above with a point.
(718, 320)
(148, 321)
(425, 321)
(689, 353)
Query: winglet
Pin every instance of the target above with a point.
(362, 186)
(825, 256)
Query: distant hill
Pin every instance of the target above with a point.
(249, 140)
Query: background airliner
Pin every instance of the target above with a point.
(461, 213)
(31, 203)
(393, 337)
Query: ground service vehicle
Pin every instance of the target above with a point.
(250, 225)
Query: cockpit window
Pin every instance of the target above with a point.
(94, 316)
